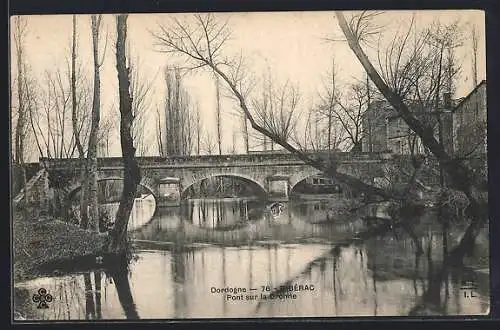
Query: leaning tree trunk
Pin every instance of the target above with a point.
(461, 176)
(132, 175)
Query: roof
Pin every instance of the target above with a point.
(387, 106)
(464, 99)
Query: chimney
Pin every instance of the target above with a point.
(447, 100)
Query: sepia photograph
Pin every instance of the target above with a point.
(249, 165)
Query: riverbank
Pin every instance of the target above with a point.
(40, 242)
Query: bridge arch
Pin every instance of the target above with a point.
(77, 186)
(301, 176)
(191, 181)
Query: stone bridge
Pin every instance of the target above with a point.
(168, 178)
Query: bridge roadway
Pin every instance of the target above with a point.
(168, 178)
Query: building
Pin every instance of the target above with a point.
(470, 123)
(386, 131)
(375, 127)
(463, 121)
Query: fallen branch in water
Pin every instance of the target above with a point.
(388, 225)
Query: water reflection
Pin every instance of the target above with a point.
(221, 214)
(250, 248)
(142, 211)
(231, 222)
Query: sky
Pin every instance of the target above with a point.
(292, 45)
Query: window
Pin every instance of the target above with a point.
(315, 181)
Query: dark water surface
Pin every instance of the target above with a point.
(188, 256)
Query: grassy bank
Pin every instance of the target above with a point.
(40, 242)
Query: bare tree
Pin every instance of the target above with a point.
(276, 109)
(178, 126)
(310, 140)
(316, 131)
(233, 143)
(20, 30)
(218, 114)
(200, 43)
(460, 174)
(118, 235)
(474, 55)
(345, 111)
(198, 128)
(76, 132)
(141, 103)
(74, 104)
(350, 113)
(245, 133)
(209, 145)
(329, 100)
(58, 117)
(92, 173)
(107, 124)
(444, 39)
(59, 93)
(53, 120)
(159, 136)
(32, 106)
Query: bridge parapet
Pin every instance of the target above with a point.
(214, 160)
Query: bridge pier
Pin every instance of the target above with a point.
(277, 187)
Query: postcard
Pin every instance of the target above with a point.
(249, 165)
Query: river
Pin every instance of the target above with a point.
(224, 258)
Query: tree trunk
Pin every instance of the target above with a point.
(94, 130)
(474, 56)
(21, 119)
(369, 119)
(218, 118)
(132, 175)
(84, 201)
(331, 109)
(198, 130)
(74, 120)
(21, 93)
(245, 134)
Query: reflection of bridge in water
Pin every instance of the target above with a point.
(198, 223)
